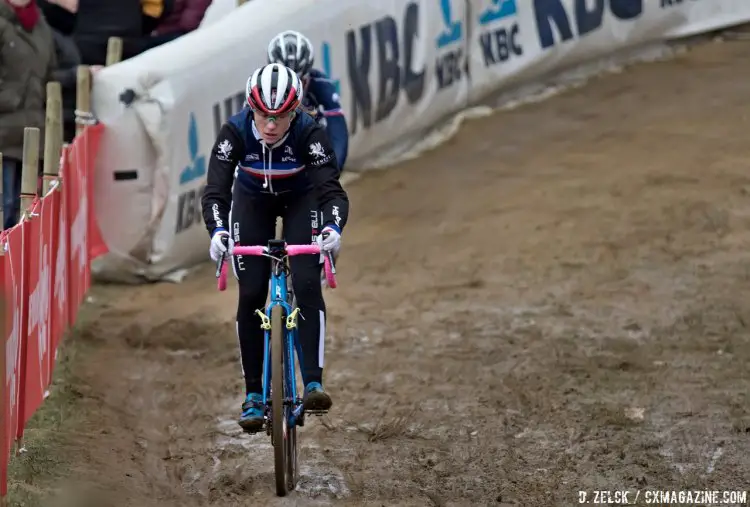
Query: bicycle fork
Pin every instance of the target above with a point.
(291, 325)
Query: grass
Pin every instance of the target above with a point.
(387, 428)
(35, 474)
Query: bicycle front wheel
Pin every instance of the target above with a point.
(278, 413)
(292, 460)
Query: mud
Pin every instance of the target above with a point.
(555, 300)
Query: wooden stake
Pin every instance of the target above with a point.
(114, 50)
(30, 167)
(83, 97)
(53, 134)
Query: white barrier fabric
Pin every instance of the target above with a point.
(400, 67)
(217, 10)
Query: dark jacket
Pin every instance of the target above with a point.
(68, 60)
(185, 17)
(300, 162)
(97, 20)
(27, 60)
(58, 17)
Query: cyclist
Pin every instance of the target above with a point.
(294, 50)
(285, 168)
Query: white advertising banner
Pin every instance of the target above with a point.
(400, 66)
(518, 40)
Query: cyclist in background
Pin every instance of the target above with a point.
(294, 50)
(285, 168)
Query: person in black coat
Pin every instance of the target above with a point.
(68, 60)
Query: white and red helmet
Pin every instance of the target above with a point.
(273, 89)
(294, 50)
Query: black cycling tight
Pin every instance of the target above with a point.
(252, 221)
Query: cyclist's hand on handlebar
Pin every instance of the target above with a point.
(219, 243)
(331, 240)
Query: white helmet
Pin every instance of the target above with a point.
(273, 89)
(292, 49)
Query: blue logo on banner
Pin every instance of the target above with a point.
(197, 167)
(452, 64)
(499, 10)
(325, 54)
(503, 42)
(453, 29)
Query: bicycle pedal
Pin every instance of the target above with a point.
(253, 432)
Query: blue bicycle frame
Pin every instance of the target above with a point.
(280, 297)
(285, 406)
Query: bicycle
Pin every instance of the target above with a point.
(284, 412)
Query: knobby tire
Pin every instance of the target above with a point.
(278, 416)
(292, 453)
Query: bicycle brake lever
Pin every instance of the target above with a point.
(220, 262)
(219, 265)
(330, 260)
(330, 255)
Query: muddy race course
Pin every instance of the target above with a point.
(555, 300)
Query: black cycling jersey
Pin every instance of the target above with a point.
(301, 161)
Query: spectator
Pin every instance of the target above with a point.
(185, 17)
(98, 20)
(60, 14)
(68, 60)
(154, 11)
(27, 59)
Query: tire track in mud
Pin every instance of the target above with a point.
(172, 412)
(552, 301)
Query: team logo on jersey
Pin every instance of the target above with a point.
(317, 151)
(225, 150)
(288, 154)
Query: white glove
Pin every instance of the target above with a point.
(217, 245)
(330, 240)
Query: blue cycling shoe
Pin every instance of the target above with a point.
(251, 419)
(316, 398)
